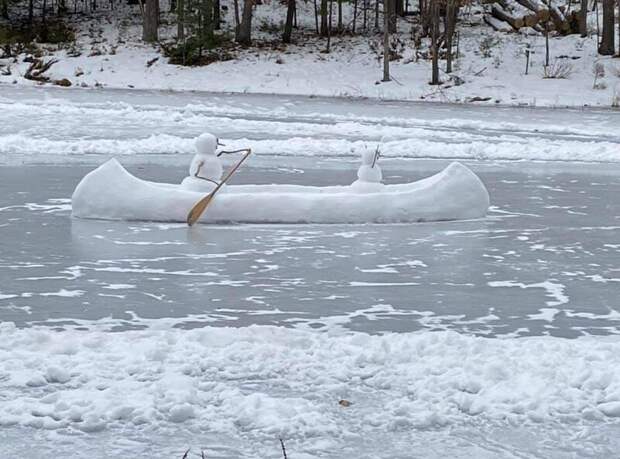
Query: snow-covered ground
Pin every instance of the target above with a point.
(491, 65)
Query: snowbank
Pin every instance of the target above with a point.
(271, 381)
(90, 126)
(25, 149)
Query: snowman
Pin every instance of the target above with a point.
(369, 174)
(205, 170)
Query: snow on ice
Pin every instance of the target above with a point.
(268, 381)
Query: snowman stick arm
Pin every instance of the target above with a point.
(224, 152)
(200, 164)
(377, 154)
(203, 178)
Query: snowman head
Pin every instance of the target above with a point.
(206, 144)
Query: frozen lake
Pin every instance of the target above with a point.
(485, 339)
(545, 261)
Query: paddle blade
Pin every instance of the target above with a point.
(198, 209)
(201, 205)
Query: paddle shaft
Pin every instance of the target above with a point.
(199, 208)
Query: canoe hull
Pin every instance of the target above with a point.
(111, 193)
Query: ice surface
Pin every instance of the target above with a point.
(303, 274)
(145, 127)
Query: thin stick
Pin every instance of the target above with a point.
(374, 160)
(198, 209)
(283, 448)
(231, 152)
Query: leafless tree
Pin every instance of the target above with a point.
(607, 46)
(288, 25)
(324, 14)
(244, 31)
(451, 16)
(434, 7)
(583, 18)
(150, 23)
(386, 40)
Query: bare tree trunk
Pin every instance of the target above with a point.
(207, 21)
(316, 17)
(339, 15)
(434, 9)
(180, 20)
(216, 15)
(376, 14)
(365, 14)
(583, 18)
(386, 40)
(426, 16)
(150, 21)
(607, 46)
(329, 27)
(237, 20)
(400, 7)
(451, 14)
(30, 13)
(354, 15)
(244, 32)
(288, 25)
(391, 10)
(598, 27)
(547, 44)
(324, 12)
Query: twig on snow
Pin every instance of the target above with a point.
(283, 448)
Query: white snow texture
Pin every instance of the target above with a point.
(223, 379)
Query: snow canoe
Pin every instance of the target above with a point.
(110, 192)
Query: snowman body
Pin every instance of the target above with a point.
(369, 174)
(205, 170)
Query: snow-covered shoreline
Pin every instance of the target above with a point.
(490, 69)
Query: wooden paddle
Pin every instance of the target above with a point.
(200, 206)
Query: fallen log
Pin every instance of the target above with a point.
(497, 24)
(530, 20)
(560, 22)
(500, 13)
(530, 5)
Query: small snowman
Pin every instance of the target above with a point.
(369, 174)
(205, 170)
